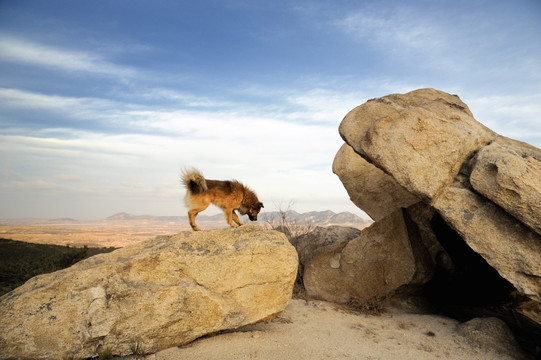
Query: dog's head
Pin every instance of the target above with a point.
(254, 210)
(251, 205)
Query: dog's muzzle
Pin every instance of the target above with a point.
(252, 218)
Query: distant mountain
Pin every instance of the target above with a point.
(122, 216)
(65, 220)
(320, 218)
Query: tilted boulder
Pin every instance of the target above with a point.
(388, 258)
(508, 172)
(371, 189)
(160, 293)
(421, 138)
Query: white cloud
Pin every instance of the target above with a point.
(401, 27)
(100, 112)
(186, 99)
(17, 50)
(478, 45)
(15, 98)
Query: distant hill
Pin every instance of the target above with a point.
(122, 216)
(65, 220)
(318, 218)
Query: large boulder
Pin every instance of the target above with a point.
(491, 334)
(321, 237)
(318, 239)
(388, 258)
(486, 187)
(160, 293)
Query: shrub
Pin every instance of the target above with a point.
(105, 353)
(284, 222)
(137, 348)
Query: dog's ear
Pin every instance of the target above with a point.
(260, 205)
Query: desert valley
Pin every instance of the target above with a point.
(124, 229)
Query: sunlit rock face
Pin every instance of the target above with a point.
(160, 293)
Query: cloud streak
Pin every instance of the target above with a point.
(17, 50)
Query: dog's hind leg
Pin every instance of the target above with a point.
(236, 218)
(192, 213)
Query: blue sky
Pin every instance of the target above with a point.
(103, 102)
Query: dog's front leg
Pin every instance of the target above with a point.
(229, 217)
(236, 218)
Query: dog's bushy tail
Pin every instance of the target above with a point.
(194, 181)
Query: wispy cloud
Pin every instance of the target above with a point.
(21, 99)
(180, 98)
(203, 116)
(399, 27)
(20, 109)
(18, 50)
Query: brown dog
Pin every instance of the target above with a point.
(228, 195)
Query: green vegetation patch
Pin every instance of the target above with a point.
(20, 261)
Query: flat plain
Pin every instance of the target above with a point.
(91, 234)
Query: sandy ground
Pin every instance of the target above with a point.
(321, 330)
